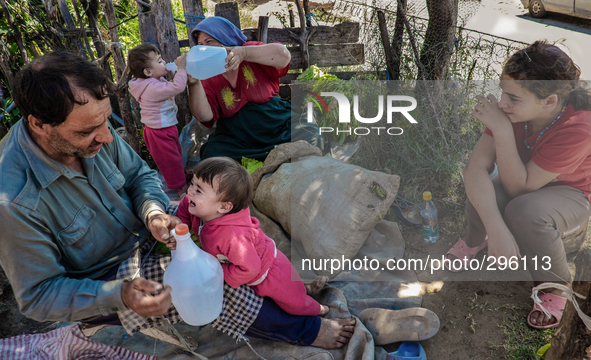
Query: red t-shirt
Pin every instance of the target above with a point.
(565, 148)
(257, 83)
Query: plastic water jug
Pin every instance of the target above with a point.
(204, 62)
(196, 279)
(171, 67)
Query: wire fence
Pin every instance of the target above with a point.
(476, 55)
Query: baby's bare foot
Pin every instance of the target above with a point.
(334, 334)
(315, 286)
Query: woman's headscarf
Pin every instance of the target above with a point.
(220, 29)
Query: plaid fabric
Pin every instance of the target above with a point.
(152, 269)
(241, 306)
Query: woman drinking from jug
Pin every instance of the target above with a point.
(252, 119)
(539, 135)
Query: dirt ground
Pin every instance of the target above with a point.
(473, 314)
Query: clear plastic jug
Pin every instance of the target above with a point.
(196, 279)
(204, 62)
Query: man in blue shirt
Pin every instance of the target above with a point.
(75, 200)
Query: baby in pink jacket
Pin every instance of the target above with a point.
(216, 208)
(158, 109)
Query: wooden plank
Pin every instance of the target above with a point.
(229, 10)
(329, 55)
(193, 10)
(342, 75)
(347, 32)
(263, 29)
(63, 5)
(184, 43)
(77, 31)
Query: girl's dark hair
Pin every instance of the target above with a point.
(50, 86)
(544, 69)
(234, 184)
(139, 58)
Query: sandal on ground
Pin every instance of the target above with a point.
(390, 326)
(462, 251)
(554, 304)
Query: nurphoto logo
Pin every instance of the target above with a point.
(344, 108)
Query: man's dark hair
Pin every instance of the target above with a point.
(47, 87)
(139, 58)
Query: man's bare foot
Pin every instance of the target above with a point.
(323, 310)
(334, 334)
(315, 286)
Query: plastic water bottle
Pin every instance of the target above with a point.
(196, 279)
(204, 62)
(429, 215)
(171, 67)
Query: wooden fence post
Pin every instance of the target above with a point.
(147, 23)
(397, 39)
(123, 92)
(386, 41)
(193, 10)
(263, 29)
(307, 13)
(229, 10)
(169, 47)
(291, 19)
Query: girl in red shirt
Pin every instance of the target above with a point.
(539, 135)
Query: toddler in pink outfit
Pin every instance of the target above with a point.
(216, 208)
(158, 109)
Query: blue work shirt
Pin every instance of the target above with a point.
(60, 229)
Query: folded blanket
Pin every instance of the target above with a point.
(63, 344)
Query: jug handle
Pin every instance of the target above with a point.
(172, 236)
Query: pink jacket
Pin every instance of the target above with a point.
(237, 238)
(156, 98)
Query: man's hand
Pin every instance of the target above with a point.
(136, 294)
(160, 225)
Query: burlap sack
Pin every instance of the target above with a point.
(329, 206)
